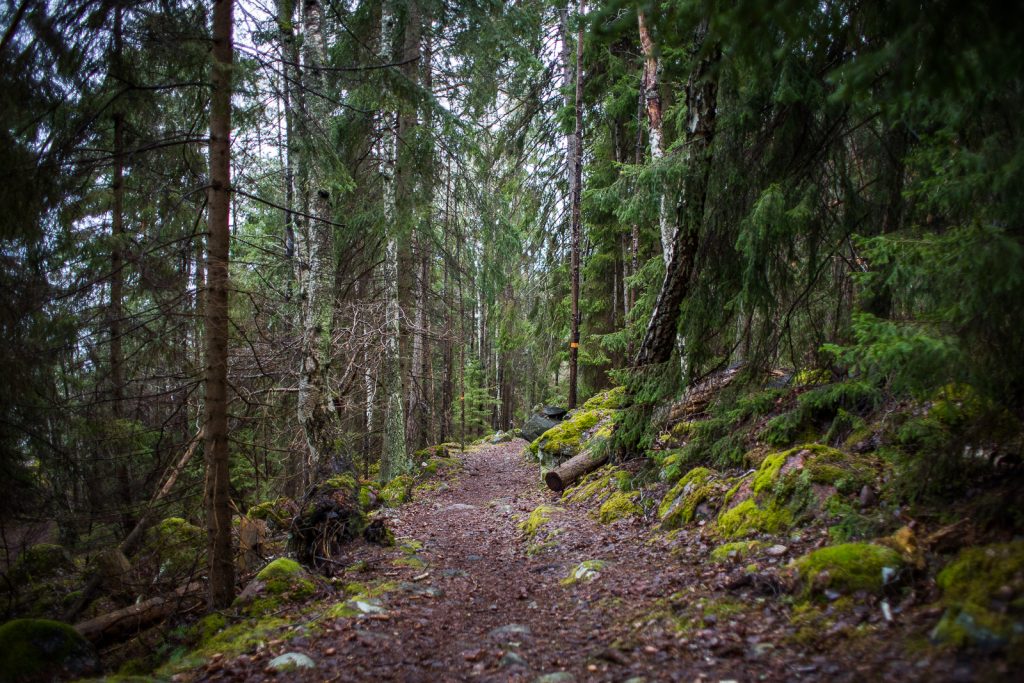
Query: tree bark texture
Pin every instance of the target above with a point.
(576, 185)
(652, 105)
(572, 469)
(701, 106)
(394, 458)
(218, 500)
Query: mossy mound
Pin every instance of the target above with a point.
(277, 513)
(42, 561)
(697, 494)
(848, 568)
(789, 487)
(598, 485)
(397, 491)
(179, 548)
(540, 516)
(438, 451)
(606, 400)
(620, 505)
(734, 552)
(568, 438)
(43, 650)
(983, 590)
(281, 581)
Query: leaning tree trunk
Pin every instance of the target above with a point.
(218, 498)
(701, 106)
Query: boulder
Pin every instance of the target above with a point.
(553, 412)
(540, 423)
(43, 650)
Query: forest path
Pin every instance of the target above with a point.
(475, 606)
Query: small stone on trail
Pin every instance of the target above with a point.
(291, 660)
(557, 677)
(509, 630)
(512, 659)
(777, 550)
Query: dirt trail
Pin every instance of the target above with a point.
(474, 605)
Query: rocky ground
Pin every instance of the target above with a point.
(482, 585)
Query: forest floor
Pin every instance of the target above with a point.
(466, 601)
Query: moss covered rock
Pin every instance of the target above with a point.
(179, 548)
(397, 491)
(540, 516)
(584, 572)
(606, 400)
(598, 485)
(43, 650)
(789, 487)
(698, 493)
(848, 568)
(620, 505)
(280, 582)
(571, 436)
(983, 590)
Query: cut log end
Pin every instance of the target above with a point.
(572, 469)
(554, 481)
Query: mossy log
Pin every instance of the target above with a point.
(572, 469)
(113, 625)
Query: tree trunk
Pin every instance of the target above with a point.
(576, 185)
(218, 501)
(117, 286)
(394, 458)
(572, 469)
(652, 101)
(701, 105)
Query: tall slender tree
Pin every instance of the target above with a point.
(218, 500)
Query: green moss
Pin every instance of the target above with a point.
(584, 572)
(232, 641)
(983, 590)
(278, 512)
(768, 472)
(565, 439)
(178, 546)
(208, 627)
(679, 506)
(791, 485)
(606, 400)
(284, 580)
(618, 506)
(737, 550)
(598, 484)
(40, 649)
(540, 516)
(748, 518)
(848, 567)
(397, 491)
(42, 561)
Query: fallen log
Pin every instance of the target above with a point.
(134, 539)
(113, 625)
(572, 469)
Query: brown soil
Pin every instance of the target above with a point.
(482, 609)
